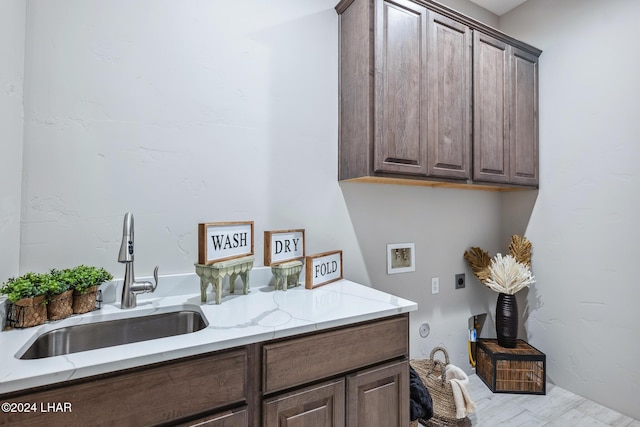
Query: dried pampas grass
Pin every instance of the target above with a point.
(520, 249)
(479, 261)
(506, 274)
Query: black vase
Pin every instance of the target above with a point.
(507, 320)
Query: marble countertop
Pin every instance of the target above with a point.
(261, 315)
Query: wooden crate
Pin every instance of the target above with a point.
(511, 370)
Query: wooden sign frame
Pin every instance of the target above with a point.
(271, 250)
(314, 265)
(228, 244)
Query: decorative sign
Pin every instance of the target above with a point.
(323, 269)
(283, 245)
(219, 241)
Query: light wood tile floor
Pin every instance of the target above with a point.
(558, 408)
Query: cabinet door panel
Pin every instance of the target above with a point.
(449, 104)
(379, 397)
(144, 396)
(491, 109)
(316, 406)
(524, 118)
(400, 88)
(356, 102)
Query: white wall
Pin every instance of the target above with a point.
(180, 112)
(12, 30)
(584, 222)
(442, 223)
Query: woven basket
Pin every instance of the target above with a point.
(431, 372)
(85, 302)
(442, 422)
(28, 312)
(59, 306)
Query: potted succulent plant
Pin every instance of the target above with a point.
(86, 281)
(28, 300)
(57, 286)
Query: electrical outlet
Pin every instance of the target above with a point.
(460, 281)
(401, 258)
(435, 285)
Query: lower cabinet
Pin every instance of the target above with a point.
(376, 397)
(355, 376)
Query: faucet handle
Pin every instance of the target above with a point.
(155, 278)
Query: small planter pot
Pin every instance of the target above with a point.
(60, 306)
(28, 312)
(85, 302)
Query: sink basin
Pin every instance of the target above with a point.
(91, 336)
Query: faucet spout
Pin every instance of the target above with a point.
(131, 288)
(126, 247)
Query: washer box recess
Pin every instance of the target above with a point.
(511, 370)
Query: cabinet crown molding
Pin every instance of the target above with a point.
(461, 17)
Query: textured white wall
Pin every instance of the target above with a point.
(12, 30)
(584, 222)
(180, 112)
(442, 223)
(191, 111)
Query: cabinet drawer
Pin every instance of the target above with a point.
(143, 396)
(224, 419)
(301, 360)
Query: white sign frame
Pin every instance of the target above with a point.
(230, 247)
(277, 241)
(314, 263)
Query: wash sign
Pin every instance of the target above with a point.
(219, 241)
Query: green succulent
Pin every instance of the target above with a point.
(25, 286)
(85, 277)
(57, 282)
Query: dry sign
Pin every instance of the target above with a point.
(219, 241)
(323, 269)
(283, 245)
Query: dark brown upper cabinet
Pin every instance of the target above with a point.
(415, 107)
(505, 133)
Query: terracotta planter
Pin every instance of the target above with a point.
(28, 312)
(59, 306)
(85, 302)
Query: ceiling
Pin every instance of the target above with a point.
(499, 7)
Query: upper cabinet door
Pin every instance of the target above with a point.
(491, 109)
(449, 98)
(524, 118)
(400, 115)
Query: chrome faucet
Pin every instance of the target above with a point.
(131, 288)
